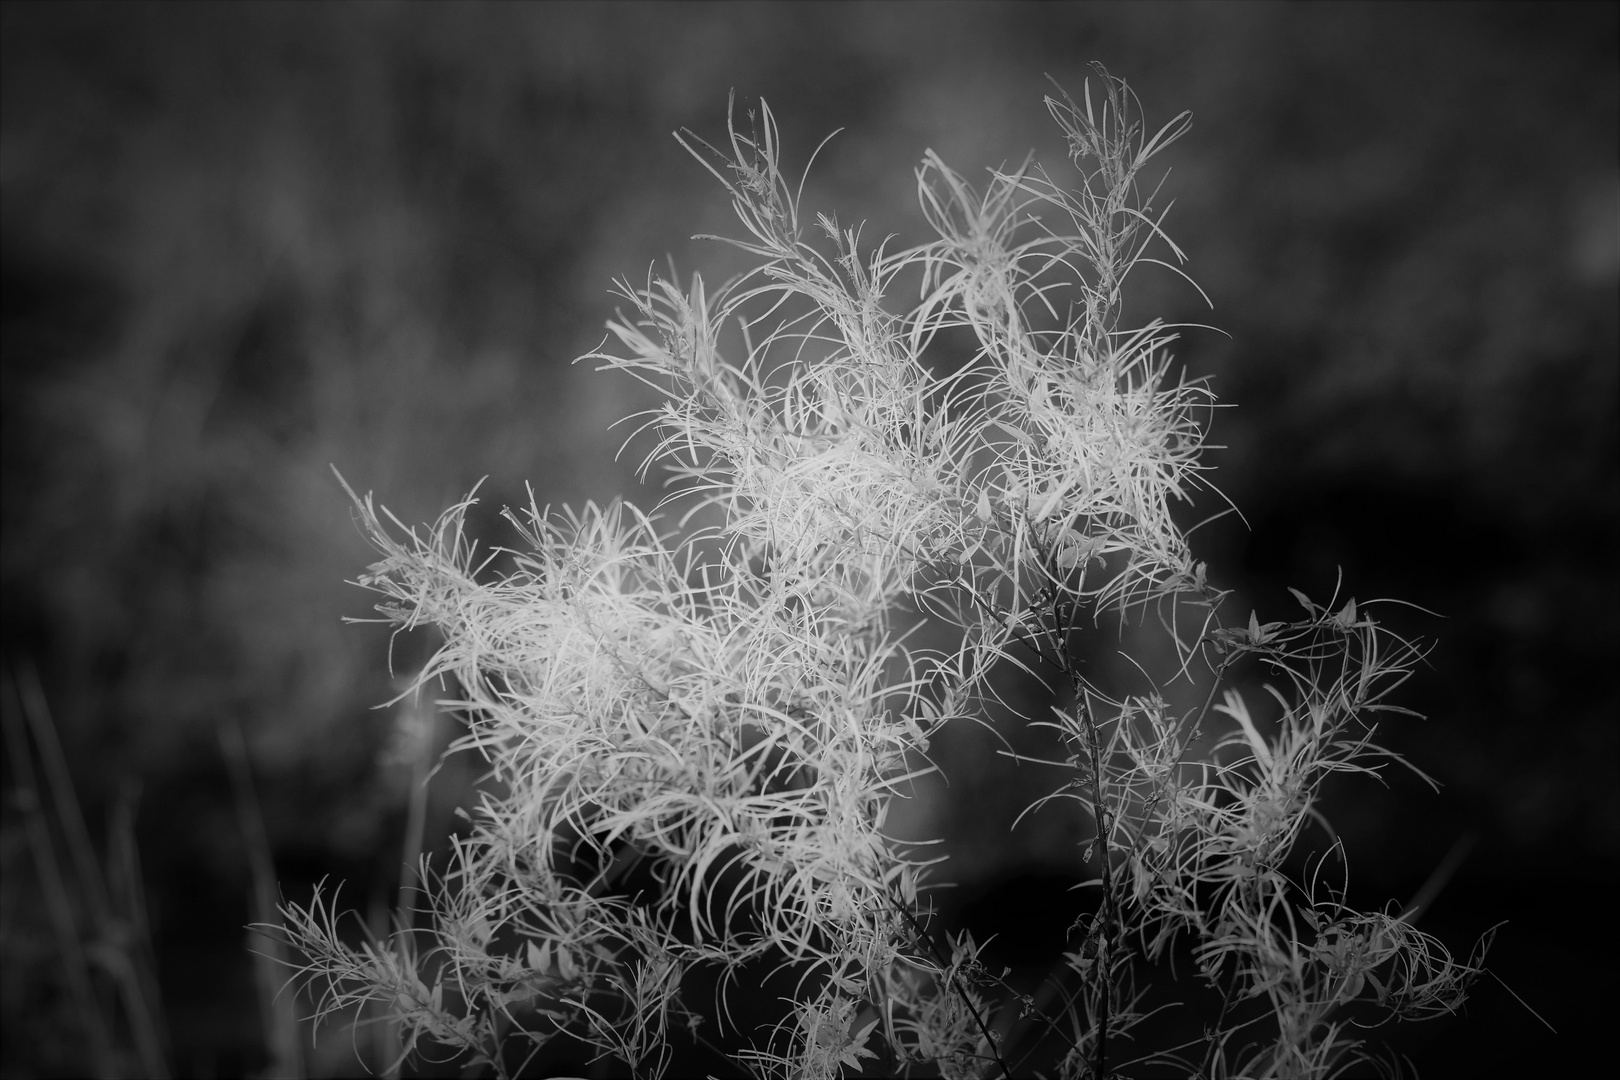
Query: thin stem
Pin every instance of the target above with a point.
(53, 882)
(1108, 915)
(939, 957)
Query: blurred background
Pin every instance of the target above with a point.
(242, 243)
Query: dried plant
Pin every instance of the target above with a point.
(696, 726)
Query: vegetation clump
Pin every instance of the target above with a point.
(696, 726)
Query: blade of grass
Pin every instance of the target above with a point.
(58, 894)
(143, 998)
(277, 1012)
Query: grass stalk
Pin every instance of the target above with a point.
(278, 1015)
(96, 940)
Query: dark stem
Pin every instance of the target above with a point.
(940, 958)
(1106, 916)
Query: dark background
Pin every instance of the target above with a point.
(242, 242)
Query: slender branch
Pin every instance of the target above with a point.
(940, 958)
